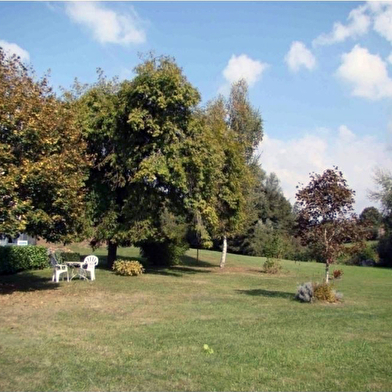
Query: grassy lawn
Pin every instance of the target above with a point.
(147, 333)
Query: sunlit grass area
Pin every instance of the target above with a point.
(147, 333)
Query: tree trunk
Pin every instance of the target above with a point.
(224, 252)
(112, 254)
(326, 272)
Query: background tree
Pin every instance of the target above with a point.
(233, 179)
(269, 219)
(238, 127)
(372, 219)
(243, 119)
(325, 215)
(42, 158)
(383, 195)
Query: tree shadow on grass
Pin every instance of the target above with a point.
(177, 271)
(190, 261)
(25, 282)
(189, 266)
(267, 293)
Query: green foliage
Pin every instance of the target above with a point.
(63, 257)
(269, 242)
(128, 268)
(42, 158)
(167, 247)
(372, 219)
(384, 250)
(243, 119)
(383, 181)
(383, 195)
(236, 130)
(367, 253)
(19, 258)
(163, 254)
(269, 220)
(232, 176)
(273, 206)
(272, 266)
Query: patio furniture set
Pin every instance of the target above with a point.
(82, 269)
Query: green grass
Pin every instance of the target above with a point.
(147, 333)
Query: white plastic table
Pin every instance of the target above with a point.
(76, 269)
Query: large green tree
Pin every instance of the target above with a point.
(154, 156)
(42, 158)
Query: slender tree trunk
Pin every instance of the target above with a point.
(112, 254)
(224, 252)
(327, 272)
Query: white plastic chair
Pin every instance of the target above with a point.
(89, 264)
(58, 269)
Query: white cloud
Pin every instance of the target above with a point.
(389, 58)
(358, 24)
(375, 14)
(367, 74)
(243, 67)
(10, 49)
(299, 56)
(357, 157)
(107, 26)
(383, 19)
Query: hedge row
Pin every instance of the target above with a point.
(62, 257)
(19, 258)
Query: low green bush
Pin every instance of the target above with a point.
(271, 266)
(19, 258)
(128, 268)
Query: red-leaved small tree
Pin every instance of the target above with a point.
(325, 215)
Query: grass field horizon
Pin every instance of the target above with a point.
(147, 333)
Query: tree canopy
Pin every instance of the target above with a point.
(42, 158)
(156, 153)
(325, 215)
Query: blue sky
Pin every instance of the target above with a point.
(319, 72)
